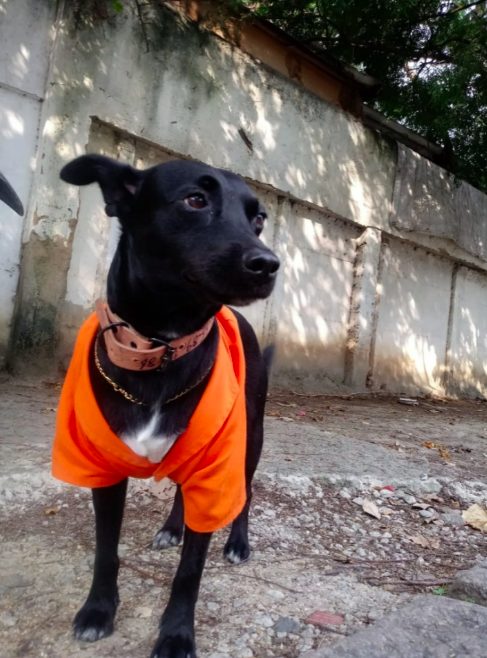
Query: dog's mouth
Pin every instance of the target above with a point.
(252, 294)
(242, 293)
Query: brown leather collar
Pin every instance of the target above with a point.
(128, 349)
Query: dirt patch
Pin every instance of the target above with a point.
(315, 549)
(446, 433)
(312, 550)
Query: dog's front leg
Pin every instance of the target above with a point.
(171, 532)
(176, 636)
(95, 619)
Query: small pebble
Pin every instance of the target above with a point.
(287, 625)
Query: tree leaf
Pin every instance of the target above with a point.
(425, 542)
(476, 517)
(371, 508)
(50, 511)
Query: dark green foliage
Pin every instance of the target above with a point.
(429, 55)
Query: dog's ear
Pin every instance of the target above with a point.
(119, 182)
(8, 196)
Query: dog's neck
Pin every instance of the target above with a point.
(154, 310)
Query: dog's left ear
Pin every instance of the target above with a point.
(8, 196)
(119, 183)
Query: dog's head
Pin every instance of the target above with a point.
(187, 221)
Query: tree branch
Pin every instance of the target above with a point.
(452, 12)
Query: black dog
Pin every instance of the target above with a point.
(189, 244)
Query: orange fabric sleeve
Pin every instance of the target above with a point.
(74, 458)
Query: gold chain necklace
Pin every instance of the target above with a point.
(131, 398)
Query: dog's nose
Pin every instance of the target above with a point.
(258, 261)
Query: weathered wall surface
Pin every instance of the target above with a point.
(467, 358)
(372, 291)
(429, 200)
(26, 32)
(412, 327)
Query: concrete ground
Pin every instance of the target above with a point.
(356, 516)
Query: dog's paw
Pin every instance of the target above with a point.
(94, 621)
(166, 538)
(236, 551)
(174, 646)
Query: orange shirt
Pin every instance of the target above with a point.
(207, 460)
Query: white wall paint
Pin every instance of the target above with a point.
(412, 328)
(26, 32)
(19, 116)
(468, 357)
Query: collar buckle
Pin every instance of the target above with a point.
(167, 357)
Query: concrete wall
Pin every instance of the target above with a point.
(467, 357)
(26, 33)
(366, 297)
(412, 326)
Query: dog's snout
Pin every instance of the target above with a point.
(261, 262)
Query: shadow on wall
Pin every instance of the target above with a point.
(412, 323)
(324, 176)
(23, 59)
(49, 226)
(467, 358)
(76, 82)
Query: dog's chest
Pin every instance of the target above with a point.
(148, 439)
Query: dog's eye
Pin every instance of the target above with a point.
(196, 201)
(259, 221)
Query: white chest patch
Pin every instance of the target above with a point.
(147, 443)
